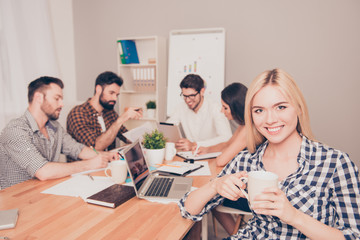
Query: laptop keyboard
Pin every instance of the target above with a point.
(159, 187)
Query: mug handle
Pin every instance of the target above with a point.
(107, 173)
(244, 180)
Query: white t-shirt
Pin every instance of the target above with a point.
(207, 127)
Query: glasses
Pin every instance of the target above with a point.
(191, 96)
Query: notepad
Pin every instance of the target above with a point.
(180, 168)
(189, 155)
(8, 218)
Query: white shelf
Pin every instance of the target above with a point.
(144, 81)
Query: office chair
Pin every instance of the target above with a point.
(232, 211)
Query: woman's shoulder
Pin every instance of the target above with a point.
(321, 153)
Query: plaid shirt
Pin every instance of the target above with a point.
(24, 149)
(326, 186)
(82, 124)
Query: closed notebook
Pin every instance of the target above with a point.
(8, 218)
(112, 196)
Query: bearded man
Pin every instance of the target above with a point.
(30, 145)
(95, 123)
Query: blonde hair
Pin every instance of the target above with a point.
(288, 87)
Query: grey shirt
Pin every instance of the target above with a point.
(24, 149)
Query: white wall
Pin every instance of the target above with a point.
(63, 25)
(317, 42)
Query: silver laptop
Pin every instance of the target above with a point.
(151, 185)
(172, 132)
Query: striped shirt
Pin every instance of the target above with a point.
(83, 125)
(24, 149)
(326, 186)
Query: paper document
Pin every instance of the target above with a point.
(189, 155)
(80, 186)
(136, 133)
(204, 171)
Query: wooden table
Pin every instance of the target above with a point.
(46, 216)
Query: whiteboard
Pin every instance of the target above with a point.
(196, 51)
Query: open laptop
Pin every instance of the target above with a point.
(150, 185)
(172, 132)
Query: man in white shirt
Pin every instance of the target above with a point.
(201, 119)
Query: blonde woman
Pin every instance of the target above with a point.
(318, 196)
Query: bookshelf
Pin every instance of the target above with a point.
(145, 80)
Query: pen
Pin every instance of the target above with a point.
(91, 177)
(166, 165)
(94, 149)
(197, 149)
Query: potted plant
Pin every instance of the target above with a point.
(151, 106)
(154, 144)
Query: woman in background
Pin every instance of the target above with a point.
(318, 196)
(233, 105)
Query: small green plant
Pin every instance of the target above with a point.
(154, 140)
(151, 105)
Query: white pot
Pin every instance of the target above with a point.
(155, 156)
(150, 113)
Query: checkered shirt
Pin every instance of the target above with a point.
(24, 149)
(82, 124)
(326, 186)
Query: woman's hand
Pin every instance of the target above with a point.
(201, 150)
(229, 186)
(274, 202)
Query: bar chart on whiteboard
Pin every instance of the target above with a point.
(198, 51)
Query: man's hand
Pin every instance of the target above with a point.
(103, 158)
(132, 113)
(185, 145)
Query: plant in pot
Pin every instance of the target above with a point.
(154, 144)
(151, 106)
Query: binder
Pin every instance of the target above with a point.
(130, 52)
(122, 57)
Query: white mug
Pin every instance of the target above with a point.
(118, 171)
(170, 151)
(257, 181)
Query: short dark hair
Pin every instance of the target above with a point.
(234, 95)
(40, 84)
(192, 81)
(108, 78)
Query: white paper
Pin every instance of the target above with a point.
(80, 186)
(189, 155)
(204, 171)
(136, 133)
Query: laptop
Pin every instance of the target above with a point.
(150, 185)
(172, 132)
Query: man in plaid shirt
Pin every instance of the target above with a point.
(95, 123)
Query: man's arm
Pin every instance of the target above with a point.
(92, 160)
(107, 137)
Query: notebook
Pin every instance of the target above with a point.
(179, 168)
(190, 155)
(149, 185)
(112, 196)
(172, 132)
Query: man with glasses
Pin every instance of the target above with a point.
(201, 119)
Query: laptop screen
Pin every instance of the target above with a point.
(137, 165)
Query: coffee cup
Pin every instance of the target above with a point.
(118, 171)
(170, 151)
(257, 181)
